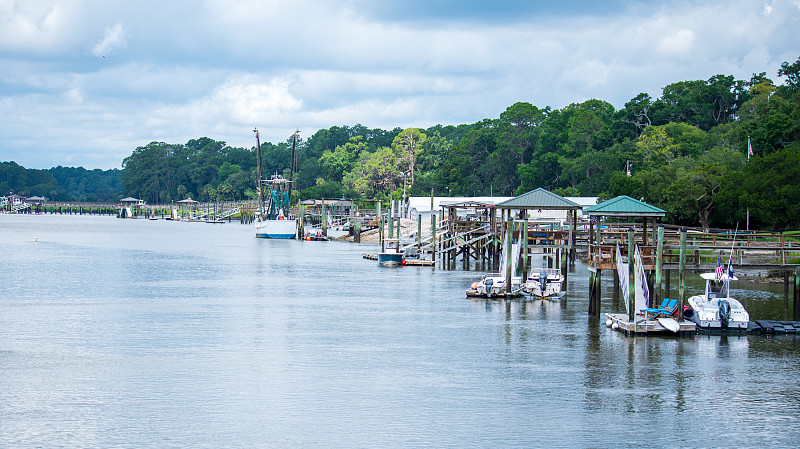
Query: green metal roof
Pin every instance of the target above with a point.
(624, 206)
(539, 199)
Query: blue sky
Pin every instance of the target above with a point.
(83, 83)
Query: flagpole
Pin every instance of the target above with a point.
(749, 152)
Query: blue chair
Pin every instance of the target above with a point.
(668, 310)
(663, 306)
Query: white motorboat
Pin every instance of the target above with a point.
(715, 309)
(495, 285)
(544, 283)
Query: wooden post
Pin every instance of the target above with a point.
(682, 272)
(659, 255)
(631, 277)
(357, 231)
(564, 269)
(380, 234)
(433, 237)
(390, 223)
(419, 232)
(324, 220)
(796, 305)
(398, 232)
(507, 251)
(786, 294)
(524, 237)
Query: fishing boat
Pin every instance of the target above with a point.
(392, 256)
(715, 309)
(545, 283)
(274, 219)
(494, 285)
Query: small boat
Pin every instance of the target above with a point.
(494, 285)
(545, 283)
(715, 309)
(153, 217)
(392, 256)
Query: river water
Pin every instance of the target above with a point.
(139, 334)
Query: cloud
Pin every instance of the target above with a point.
(677, 44)
(217, 68)
(114, 39)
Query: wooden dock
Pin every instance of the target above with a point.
(412, 262)
(620, 322)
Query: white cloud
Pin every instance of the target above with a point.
(114, 38)
(217, 68)
(679, 43)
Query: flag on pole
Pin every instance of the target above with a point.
(749, 148)
(719, 270)
(730, 267)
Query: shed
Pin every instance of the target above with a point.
(624, 206)
(540, 200)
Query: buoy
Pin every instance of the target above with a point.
(609, 322)
(615, 326)
(36, 239)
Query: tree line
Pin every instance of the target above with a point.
(685, 151)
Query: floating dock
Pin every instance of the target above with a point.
(413, 262)
(641, 326)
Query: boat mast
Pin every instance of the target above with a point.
(293, 163)
(258, 175)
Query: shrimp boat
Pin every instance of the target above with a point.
(545, 283)
(715, 309)
(274, 219)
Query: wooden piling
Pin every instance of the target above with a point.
(682, 272)
(433, 236)
(524, 237)
(419, 232)
(657, 296)
(631, 277)
(507, 248)
(796, 303)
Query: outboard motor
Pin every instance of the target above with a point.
(488, 283)
(724, 312)
(543, 280)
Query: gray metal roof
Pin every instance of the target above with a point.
(540, 199)
(624, 206)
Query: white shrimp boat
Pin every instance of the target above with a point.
(274, 219)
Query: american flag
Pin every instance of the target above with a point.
(719, 269)
(749, 147)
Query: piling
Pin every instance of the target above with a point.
(509, 239)
(433, 236)
(656, 299)
(419, 233)
(631, 278)
(796, 302)
(682, 272)
(524, 237)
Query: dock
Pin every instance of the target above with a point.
(620, 322)
(413, 262)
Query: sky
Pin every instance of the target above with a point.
(84, 83)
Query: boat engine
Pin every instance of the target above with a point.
(488, 284)
(724, 313)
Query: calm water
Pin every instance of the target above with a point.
(139, 334)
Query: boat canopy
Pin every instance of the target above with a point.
(713, 277)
